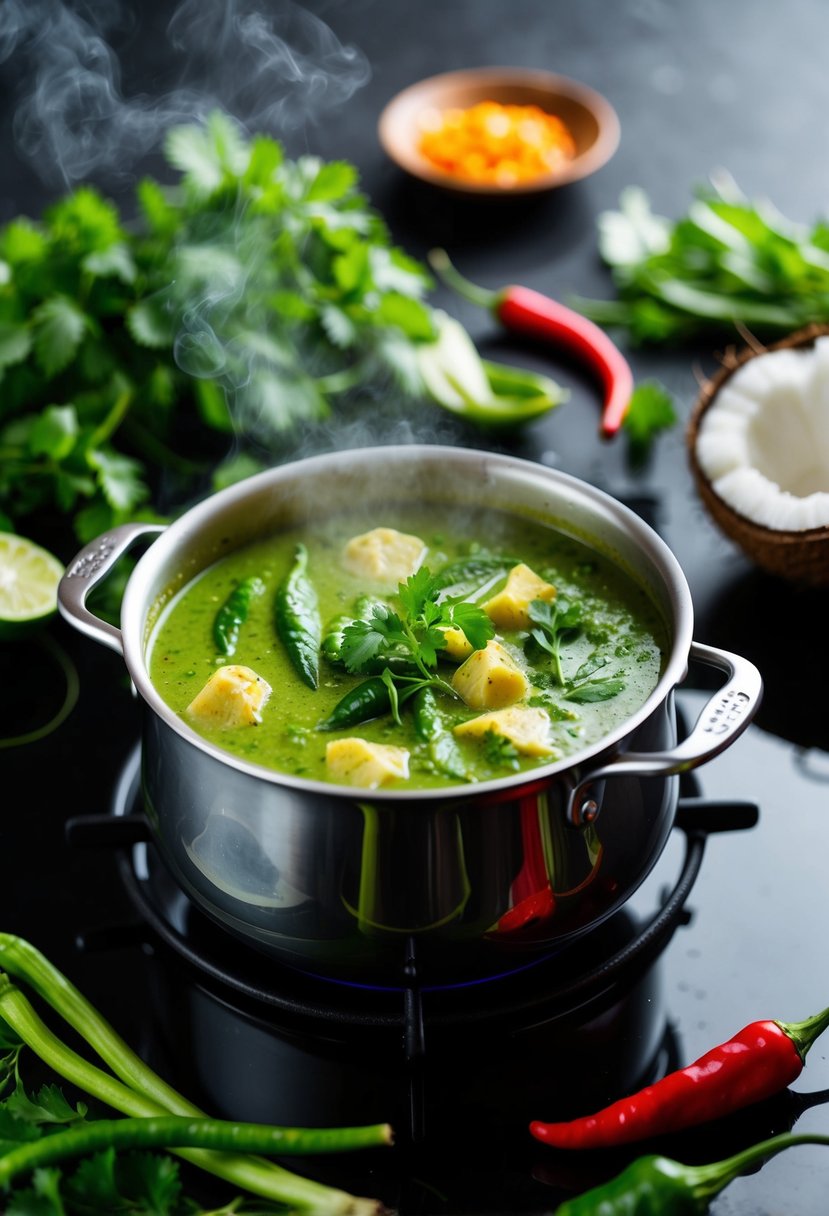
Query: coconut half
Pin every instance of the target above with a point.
(758, 442)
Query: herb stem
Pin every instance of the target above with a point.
(109, 424)
(151, 1095)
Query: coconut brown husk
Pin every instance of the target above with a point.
(802, 557)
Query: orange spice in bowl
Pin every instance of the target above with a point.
(493, 142)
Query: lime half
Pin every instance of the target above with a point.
(29, 578)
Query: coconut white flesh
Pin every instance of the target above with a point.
(763, 442)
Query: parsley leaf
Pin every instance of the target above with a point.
(601, 689)
(650, 411)
(553, 623)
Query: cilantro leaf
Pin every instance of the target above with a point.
(596, 690)
(15, 343)
(365, 641)
(472, 620)
(59, 325)
(650, 411)
(47, 1106)
(553, 623)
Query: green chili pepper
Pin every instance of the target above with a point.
(297, 619)
(430, 727)
(659, 1186)
(368, 700)
(234, 612)
(180, 1131)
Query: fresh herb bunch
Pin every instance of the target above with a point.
(729, 262)
(40, 1130)
(244, 300)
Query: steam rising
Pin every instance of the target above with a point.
(272, 72)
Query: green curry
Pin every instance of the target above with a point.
(435, 648)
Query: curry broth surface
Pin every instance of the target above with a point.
(621, 624)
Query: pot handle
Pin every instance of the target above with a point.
(723, 718)
(86, 570)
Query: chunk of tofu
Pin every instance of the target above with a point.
(384, 556)
(458, 646)
(233, 696)
(355, 761)
(490, 678)
(509, 608)
(526, 727)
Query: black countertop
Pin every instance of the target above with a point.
(697, 87)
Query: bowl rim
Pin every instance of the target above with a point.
(598, 154)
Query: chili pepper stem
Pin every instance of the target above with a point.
(452, 277)
(803, 1034)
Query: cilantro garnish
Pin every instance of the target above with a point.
(414, 634)
(553, 623)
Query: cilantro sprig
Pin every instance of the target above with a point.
(554, 624)
(414, 634)
(729, 261)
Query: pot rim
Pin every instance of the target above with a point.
(136, 602)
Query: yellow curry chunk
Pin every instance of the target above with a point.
(384, 555)
(509, 608)
(355, 761)
(458, 646)
(490, 678)
(527, 729)
(233, 696)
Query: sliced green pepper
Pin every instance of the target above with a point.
(489, 394)
(234, 612)
(296, 613)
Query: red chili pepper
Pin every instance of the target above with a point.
(534, 315)
(764, 1058)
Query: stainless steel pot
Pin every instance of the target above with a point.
(481, 881)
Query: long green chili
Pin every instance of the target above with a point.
(431, 729)
(178, 1132)
(233, 613)
(140, 1092)
(365, 701)
(296, 612)
(660, 1186)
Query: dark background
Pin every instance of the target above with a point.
(699, 87)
